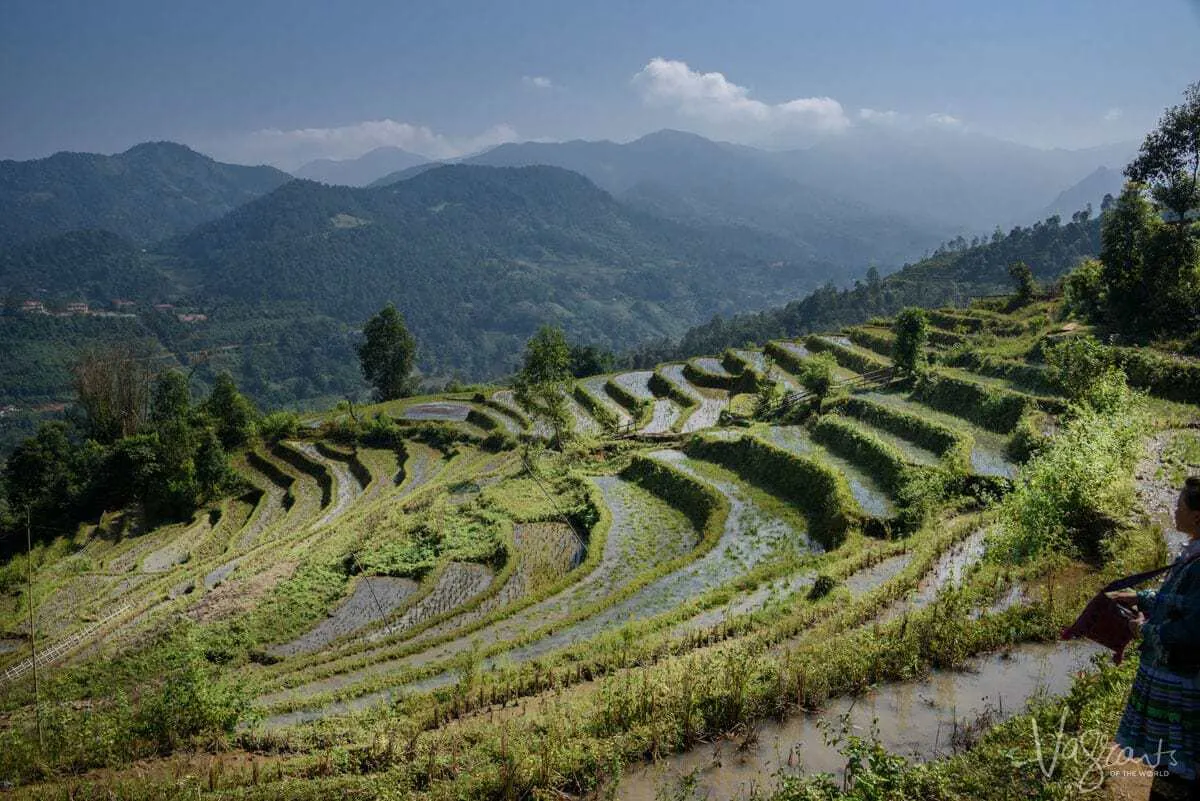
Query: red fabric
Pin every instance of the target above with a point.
(1106, 622)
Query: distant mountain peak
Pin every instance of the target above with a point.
(361, 170)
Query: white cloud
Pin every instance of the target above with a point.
(947, 120)
(873, 116)
(537, 82)
(292, 148)
(711, 97)
(1113, 114)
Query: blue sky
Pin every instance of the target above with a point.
(283, 82)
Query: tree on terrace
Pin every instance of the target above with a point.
(387, 354)
(545, 378)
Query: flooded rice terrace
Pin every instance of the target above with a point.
(919, 719)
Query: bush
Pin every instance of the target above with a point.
(1074, 364)
(912, 335)
(821, 586)
(1073, 492)
(1084, 295)
(279, 425)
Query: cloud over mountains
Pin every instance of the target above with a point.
(291, 148)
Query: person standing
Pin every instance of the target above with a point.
(1161, 722)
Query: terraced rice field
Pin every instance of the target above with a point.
(989, 455)
(710, 402)
(581, 421)
(917, 719)
(371, 602)
(871, 496)
(346, 485)
(645, 532)
(419, 601)
(454, 412)
(665, 412)
(595, 386)
(710, 365)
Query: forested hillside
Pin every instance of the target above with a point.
(956, 273)
(477, 257)
(147, 193)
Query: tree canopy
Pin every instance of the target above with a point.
(912, 335)
(387, 353)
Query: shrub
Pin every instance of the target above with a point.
(1071, 494)
(912, 335)
(1084, 294)
(1073, 364)
(279, 425)
(821, 586)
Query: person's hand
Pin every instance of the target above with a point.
(1135, 624)
(1123, 597)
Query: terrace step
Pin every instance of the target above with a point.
(645, 532)
(871, 496)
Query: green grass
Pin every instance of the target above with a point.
(568, 720)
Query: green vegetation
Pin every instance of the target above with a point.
(1074, 493)
(148, 193)
(481, 609)
(912, 336)
(818, 490)
(544, 379)
(387, 354)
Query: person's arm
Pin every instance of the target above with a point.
(1175, 620)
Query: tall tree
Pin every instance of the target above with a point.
(1128, 226)
(112, 386)
(233, 415)
(545, 377)
(387, 353)
(912, 335)
(1169, 159)
(1022, 278)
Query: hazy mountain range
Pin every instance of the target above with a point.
(362, 170)
(618, 243)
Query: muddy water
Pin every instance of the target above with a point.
(911, 452)
(870, 496)
(749, 538)
(917, 719)
(665, 411)
(372, 598)
(711, 401)
(270, 510)
(437, 411)
(756, 358)
(583, 422)
(710, 365)
(795, 349)
(777, 590)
